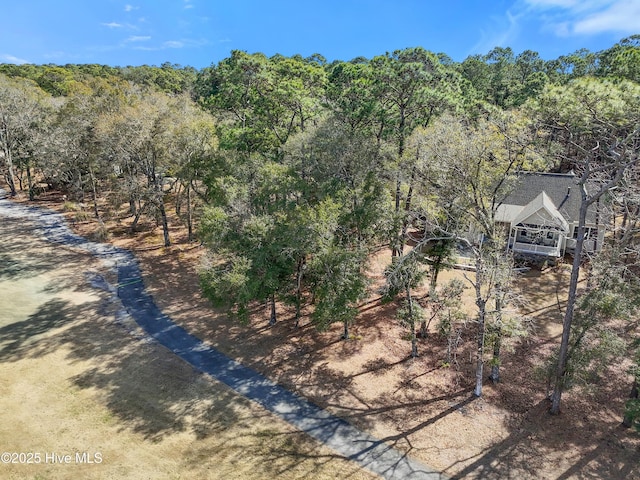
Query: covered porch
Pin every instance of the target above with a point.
(537, 241)
(538, 228)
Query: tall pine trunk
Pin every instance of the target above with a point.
(136, 218)
(94, 191)
(480, 351)
(412, 322)
(396, 248)
(561, 367)
(165, 224)
(32, 193)
(299, 273)
(497, 342)
(273, 318)
(495, 362)
(178, 205)
(9, 174)
(433, 282)
(157, 186)
(407, 207)
(424, 331)
(345, 334)
(189, 215)
(480, 336)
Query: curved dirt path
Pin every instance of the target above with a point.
(371, 453)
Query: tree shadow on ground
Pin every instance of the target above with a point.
(151, 392)
(584, 441)
(320, 366)
(302, 359)
(15, 264)
(527, 449)
(145, 386)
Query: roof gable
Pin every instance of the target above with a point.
(541, 211)
(562, 190)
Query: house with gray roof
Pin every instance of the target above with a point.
(541, 215)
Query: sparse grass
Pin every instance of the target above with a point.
(86, 384)
(100, 233)
(68, 206)
(81, 216)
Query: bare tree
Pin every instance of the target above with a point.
(598, 126)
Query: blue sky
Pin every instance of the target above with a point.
(203, 32)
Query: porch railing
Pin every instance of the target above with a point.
(536, 249)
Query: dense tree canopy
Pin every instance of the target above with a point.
(294, 170)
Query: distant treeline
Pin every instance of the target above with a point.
(500, 76)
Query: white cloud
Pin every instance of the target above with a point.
(116, 25)
(169, 44)
(623, 16)
(573, 6)
(11, 59)
(587, 17)
(502, 32)
(136, 38)
(560, 18)
(552, 3)
(562, 29)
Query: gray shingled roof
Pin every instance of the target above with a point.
(562, 189)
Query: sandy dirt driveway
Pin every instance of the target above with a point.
(84, 394)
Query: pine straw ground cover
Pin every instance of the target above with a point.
(74, 381)
(417, 405)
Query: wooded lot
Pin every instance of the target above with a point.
(294, 172)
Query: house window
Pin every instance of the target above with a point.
(588, 232)
(550, 235)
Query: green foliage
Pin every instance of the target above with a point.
(622, 60)
(410, 314)
(228, 285)
(632, 406)
(505, 80)
(511, 326)
(404, 271)
(340, 284)
(351, 95)
(214, 227)
(585, 103)
(565, 68)
(446, 305)
(258, 267)
(591, 353)
(305, 168)
(632, 412)
(589, 120)
(64, 80)
(267, 100)
(411, 87)
(595, 341)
